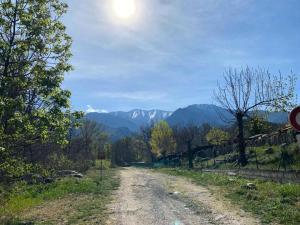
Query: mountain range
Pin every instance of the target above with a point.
(120, 124)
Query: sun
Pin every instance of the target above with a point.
(124, 9)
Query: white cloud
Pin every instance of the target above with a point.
(90, 109)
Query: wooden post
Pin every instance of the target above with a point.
(256, 160)
(190, 155)
(101, 157)
(101, 169)
(298, 139)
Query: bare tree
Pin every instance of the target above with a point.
(186, 135)
(92, 135)
(250, 89)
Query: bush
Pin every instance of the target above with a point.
(12, 168)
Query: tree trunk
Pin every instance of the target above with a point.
(150, 152)
(241, 140)
(164, 158)
(190, 155)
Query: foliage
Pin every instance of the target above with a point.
(23, 196)
(85, 144)
(258, 125)
(11, 167)
(34, 109)
(217, 136)
(93, 136)
(272, 202)
(129, 149)
(35, 50)
(162, 140)
(187, 136)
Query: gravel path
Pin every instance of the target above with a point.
(148, 198)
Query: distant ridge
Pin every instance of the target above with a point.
(200, 114)
(120, 124)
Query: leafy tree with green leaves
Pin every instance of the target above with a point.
(258, 125)
(217, 136)
(162, 140)
(34, 55)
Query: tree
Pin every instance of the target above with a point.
(258, 125)
(123, 151)
(146, 137)
(86, 143)
(217, 136)
(93, 137)
(248, 89)
(140, 149)
(34, 54)
(162, 140)
(186, 135)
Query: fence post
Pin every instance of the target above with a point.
(190, 155)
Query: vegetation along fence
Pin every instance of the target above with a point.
(278, 176)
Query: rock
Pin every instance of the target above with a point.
(219, 217)
(69, 173)
(283, 145)
(269, 151)
(231, 174)
(66, 172)
(48, 180)
(32, 178)
(250, 186)
(78, 175)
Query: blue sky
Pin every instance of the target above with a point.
(172, 53)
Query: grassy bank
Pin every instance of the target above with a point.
(272, 202)
(263, 157)
(74, 199)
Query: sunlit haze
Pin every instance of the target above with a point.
(124, 8)
(168, 54)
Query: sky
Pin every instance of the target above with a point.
(172, 53)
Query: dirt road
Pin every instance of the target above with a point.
(146, 198)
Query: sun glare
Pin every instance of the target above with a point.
(124, 9)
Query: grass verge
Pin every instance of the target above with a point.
(87, 199)
(271, 202)
(264, 157)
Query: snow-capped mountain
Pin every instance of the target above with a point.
(142, 117)
(132, 120)
(123, 124)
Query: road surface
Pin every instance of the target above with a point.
(147, 198)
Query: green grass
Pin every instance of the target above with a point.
(268, 161)
(270, 201)
(24, 197)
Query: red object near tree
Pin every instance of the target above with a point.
(294, 118)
